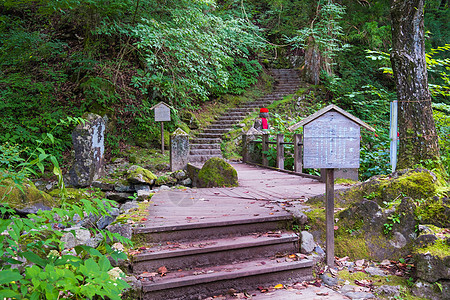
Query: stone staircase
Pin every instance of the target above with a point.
(207, 259)
(206, 144)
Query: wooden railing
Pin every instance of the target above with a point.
(278, 141)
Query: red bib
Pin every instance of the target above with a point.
(265, 125)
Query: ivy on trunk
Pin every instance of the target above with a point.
(417, 131)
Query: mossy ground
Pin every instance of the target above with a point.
(439, 249)
(391, 280)
(135, 215)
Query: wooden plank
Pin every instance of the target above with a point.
(330, 218)
(331, 141)
(280, 151)
(162, 113)
(298, 149)
(265, 148)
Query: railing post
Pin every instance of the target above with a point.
(244, 148)
(280, 151)
(298, 150)
(265, 148)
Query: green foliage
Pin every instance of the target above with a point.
(325, 34)
(441, 114)
(193, 53)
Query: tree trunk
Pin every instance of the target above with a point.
(312, 62)
(417, 131)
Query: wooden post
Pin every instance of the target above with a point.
(330, 217)
(244, 148)
(280, 151)
(298, 149)
(265, 148)
(162, 138)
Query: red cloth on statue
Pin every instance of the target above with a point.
(265, 124)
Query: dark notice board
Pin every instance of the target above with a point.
(331, 141)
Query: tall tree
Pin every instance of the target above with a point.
(418, 138)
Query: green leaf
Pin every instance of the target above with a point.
(34, 258)
(51, 137)
(7, 276)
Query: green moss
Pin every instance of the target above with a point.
(433, 211)
(217, 173)
(345, 181)
(413, 184)
(74, 195)
(351, 246)
(24, 195)
(142, 174)
(135, 215)
(439, 249)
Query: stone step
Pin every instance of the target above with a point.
(236, 118)
(219, 126)
(205, 135)
(215, 251)
(204, 141)
(201, 283)
(204, 146)
(215, 130)
(226, 122)
(215, 152)
(201, 158)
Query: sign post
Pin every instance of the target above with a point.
(331, 140)
(162, 114)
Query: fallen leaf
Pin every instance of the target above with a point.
(321, 293)
(278, 286)
(162, 271)
(144, 219)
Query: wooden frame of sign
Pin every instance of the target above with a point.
(331, 140)
(162, 114)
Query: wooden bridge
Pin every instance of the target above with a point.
(211, 240)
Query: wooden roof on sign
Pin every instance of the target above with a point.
(159, 104)
(325, 110)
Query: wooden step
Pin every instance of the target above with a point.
(215, 252)
(201, 283)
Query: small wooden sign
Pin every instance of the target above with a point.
(331, 140)
(162, 112)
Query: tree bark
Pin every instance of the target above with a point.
(417, 131)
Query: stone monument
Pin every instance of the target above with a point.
(89, 146)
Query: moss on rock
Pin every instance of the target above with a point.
(140, 175)
(217, 173)
(24, 195)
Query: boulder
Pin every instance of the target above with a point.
(216, 172)
(365, 230)
(139, 175)
(307, 245)
(25, 198)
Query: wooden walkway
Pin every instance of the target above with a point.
(258, 196)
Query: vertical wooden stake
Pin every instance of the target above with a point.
(330, 217)
(298, 153)
(265, 148)
(162, 138)
(244, 148)
(280, 151)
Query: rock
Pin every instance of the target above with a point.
(88, 142)
(124, 230)
(330, 281)
(123, 186)
(72, 240)
(186, 182)
(319, 250)
(388, 290)
(359, 295)
(432, 291)
(88, 221)
(104, 186)
(425, 240)
(26, 199)
(126, 207)
(135, 291)
(164, 188)
(375, 271)
(432, 267)
(118, 197)
(190, 119)
(165, 180)
(139, 175)
(95, 241)
(179, 175)
(307, 243)
(106, 220)
(398, 240)
(216, 172)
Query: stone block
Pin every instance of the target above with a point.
(88, 143)
(179, 150)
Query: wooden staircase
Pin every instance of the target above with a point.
(206, 258)
(206, 144)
